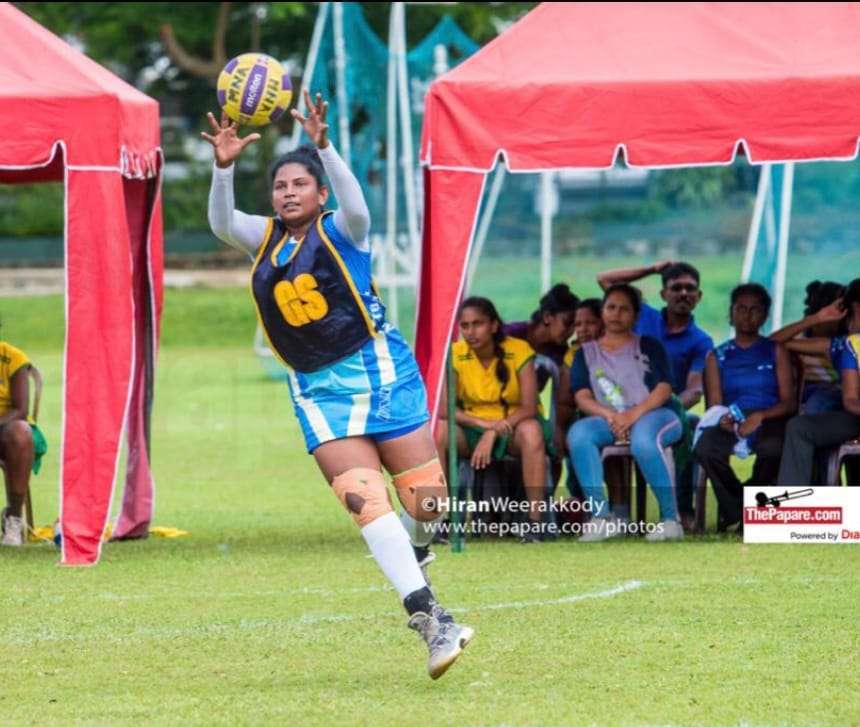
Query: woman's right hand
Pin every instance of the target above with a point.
(483, 454)
(225, 140)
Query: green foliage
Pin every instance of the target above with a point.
(697, 187)
(31, 210)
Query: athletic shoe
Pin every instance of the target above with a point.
(13, 530)
(602, 528)
(425, 557)
(531, 536)
(667, 530)
(445, 639)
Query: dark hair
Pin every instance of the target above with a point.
(557, 299)
(820, 294)
(503, 374)
(678, 270)
(759, 291)
(593, 304)
(634, 295)
(307, 156)
(851, 295)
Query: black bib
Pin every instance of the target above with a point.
(309, 308)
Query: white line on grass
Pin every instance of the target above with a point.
(573, 598)
(45, 634)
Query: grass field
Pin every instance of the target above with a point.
(272, 611)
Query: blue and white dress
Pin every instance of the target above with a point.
(374, 391)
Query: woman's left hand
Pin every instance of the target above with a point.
(750, 424)
(502, 427)
(622, 422)
(314, 123)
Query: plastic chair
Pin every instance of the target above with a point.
(34, 374)
(628, 470)
(834, 463)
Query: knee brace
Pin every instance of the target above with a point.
(363, 493)
(422, 489)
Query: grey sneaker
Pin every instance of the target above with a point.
(425, 557)
(666, 530)
(13, 530)
(445, 639)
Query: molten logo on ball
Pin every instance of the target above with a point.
(254, 90)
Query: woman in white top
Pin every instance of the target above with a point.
(355, 385)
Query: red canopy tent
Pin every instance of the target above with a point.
(663, 84)
(67, 118)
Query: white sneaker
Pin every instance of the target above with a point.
(666, 530)
(602, 528)
(13, 530)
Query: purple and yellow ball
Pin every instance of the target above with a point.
(254, 90)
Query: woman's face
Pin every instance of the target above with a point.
(559, 326)
(748, 314)
(477, 328)
(587, 326)
(296, 197)
(618, 313)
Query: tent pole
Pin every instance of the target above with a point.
(755, 224)
(398, 10)
(547, 211)
(782, 249)
(456, 538)
(484, 226)
(313, 55)
(391, 153)
(342, 98)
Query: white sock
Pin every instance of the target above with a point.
(420, 533)
(389, 544)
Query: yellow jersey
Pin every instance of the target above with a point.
(479, 392)
(571, 354)
(11, 360)
(853, 344)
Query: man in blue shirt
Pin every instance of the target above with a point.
(686, 344)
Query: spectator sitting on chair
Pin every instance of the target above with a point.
(547, 332)
(16, 438)
(622, 383)
(824, 318)
(496, 409)
(587, 326)
(754, 374)
(814, 432)
(686, 344)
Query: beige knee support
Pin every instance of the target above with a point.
(363, 493)
(422, 489)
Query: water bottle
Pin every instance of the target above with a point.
(736, 413)
(611, 392)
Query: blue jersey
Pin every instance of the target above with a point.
(748, 375)
(687, 349)
(375, 390)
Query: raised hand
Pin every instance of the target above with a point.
(833, 312)
(314, 123)
(225, 140)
